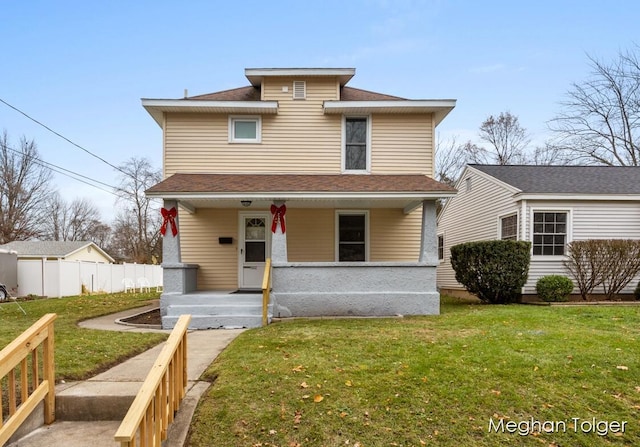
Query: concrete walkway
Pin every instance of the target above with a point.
(90, 412)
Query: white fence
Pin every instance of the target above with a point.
(66, 278)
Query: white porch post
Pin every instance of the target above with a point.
(170, 243)
(279, 239)
(428, 237)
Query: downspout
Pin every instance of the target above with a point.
(523, 228)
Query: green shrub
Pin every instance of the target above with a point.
(553, 288)
(495, 271)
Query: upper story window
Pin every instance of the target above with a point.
(245, 129)
(356, 149)
(549, 233)
(509, 228)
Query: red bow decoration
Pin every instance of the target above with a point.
(278, 216)
(169, 217)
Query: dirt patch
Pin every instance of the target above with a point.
(151, 317)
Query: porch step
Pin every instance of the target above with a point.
(217, 321)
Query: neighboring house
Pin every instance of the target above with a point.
(334, 184)
(65, 250)
(549, 206)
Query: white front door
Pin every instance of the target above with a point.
(254, 249)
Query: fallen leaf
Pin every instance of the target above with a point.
(348, 383)
(622, 367)
(297, 418)
(535, 368)
(304, 385)
(638, 389)
(318, 398)
(496, 392)
(298, 368)
(273, 432)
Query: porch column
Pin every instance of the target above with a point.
(429, 234)
(279, 238)
(170, 243)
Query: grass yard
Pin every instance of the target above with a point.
(81, 353)
(431, 380)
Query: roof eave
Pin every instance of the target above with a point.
(297, 195)
(575, 196)
(256, 75)
(157, 107)
(439, 107)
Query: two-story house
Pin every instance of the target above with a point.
(334, 184)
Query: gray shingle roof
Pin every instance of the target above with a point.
(45, 248)
(567, 179)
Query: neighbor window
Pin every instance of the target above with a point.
(243, 129)
(356, 136)
(352, 237)
(509, 228)
(549, 233)
(441, 247)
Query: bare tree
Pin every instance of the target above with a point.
(136, 230)
(76, 221)
(507, 141)
(600, 119)
(24, 190)
(450, 159)
(550, 154)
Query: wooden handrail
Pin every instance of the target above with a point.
(266, 289)
(160, 395)
(43, 387)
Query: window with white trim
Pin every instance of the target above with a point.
(509, 228)
(245, 129)
(356, 151)
(550, 233)
(352, 236)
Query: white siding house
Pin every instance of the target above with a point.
(548, 206)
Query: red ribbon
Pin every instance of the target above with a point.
(278, 216)
(169, 217)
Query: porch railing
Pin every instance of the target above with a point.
(266, 289)
(31, 377)
(160, 395)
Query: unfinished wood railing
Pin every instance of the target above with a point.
(29, 374)
(160, 395)
(266, 289)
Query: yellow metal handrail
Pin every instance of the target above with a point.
(42, 387)
(160, 395)
(266, 289)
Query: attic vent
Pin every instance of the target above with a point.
(299, 89)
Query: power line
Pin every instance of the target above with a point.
(65, 172)
(63, 137)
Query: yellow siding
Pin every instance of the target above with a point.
(199, 235)
(89, 254)
(310, 235)
(395, 236)
(299, 139)
(401, 144)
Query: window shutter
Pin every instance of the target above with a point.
(299, 89)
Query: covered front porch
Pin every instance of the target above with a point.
(321, 263)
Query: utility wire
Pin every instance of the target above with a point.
(64, 138)
(66, 172)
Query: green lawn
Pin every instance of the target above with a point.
(81, 353)
(438, 380)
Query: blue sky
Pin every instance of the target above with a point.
(81, 67)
